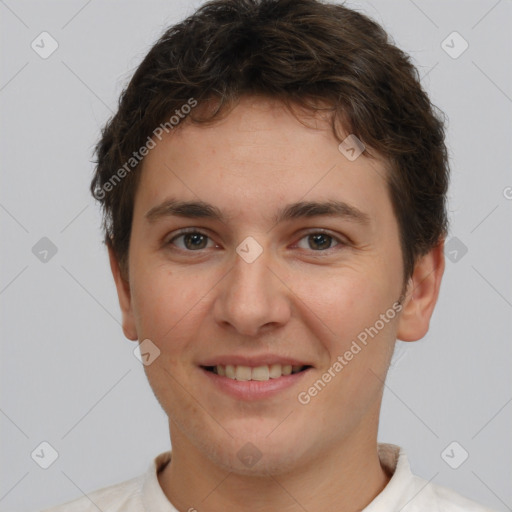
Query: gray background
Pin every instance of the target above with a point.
(68, 375)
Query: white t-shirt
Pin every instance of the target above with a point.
(405, 492)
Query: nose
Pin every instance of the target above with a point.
(252, 298)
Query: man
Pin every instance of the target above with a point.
(273, 187)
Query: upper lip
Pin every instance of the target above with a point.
(254, 361)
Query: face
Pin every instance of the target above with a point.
(255, 279)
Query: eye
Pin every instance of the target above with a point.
(319, 241)
(191, 241)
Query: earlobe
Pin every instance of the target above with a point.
(124, 296)
(421, 296)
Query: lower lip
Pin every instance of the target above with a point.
(254, 389)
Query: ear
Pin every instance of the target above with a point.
(124, 296)
(421, 297)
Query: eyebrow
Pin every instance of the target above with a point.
(301, 209)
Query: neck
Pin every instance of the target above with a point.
(346, 478)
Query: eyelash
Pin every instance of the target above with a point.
(195, 231)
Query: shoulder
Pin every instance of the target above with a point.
(408, 492)
(123, 496)
(450, 501)
(140, 493)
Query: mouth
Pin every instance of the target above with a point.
(255, 373)
(255, 377)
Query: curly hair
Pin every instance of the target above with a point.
(306, 53)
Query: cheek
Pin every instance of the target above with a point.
(359, 352)
(350, 304)
(164, 304)
(345, 301)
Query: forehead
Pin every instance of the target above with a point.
(258, 157)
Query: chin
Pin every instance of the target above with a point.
(263, 464)
(269, 451)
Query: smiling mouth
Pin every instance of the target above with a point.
(259, 373)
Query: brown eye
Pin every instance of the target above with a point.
(319, 242)
(191, 241)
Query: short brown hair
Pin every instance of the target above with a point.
(305, 53)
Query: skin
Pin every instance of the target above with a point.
(293, 300)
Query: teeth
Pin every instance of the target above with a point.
(230, 371)
(243, 373)
(261, 373)
(275, 371)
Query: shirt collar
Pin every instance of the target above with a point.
(152, 495)
(404, 492)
